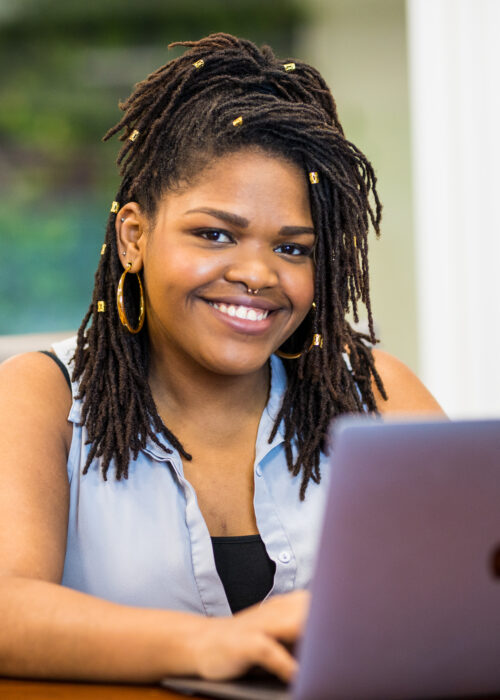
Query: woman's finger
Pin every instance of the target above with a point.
(282, 616)
(273, 656)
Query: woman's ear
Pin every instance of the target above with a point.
(131, 225)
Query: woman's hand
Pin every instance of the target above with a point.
(228, 647)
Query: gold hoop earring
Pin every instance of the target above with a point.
(317, 341)
(288, 355)
(121, 303)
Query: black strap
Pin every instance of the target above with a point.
(61, 365)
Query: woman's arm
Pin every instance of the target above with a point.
(405, 392)
(49, 631)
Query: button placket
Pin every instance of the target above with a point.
(274, 536)
(210, 587)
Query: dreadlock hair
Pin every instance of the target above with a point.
(186, 114)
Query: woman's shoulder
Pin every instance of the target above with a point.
(35, 394)
(405, 392)
(35, 372)
(35, 437)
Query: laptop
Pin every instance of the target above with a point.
(406, 591)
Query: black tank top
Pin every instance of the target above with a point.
(245, 569)
(243, 564)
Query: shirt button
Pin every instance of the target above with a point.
(284, 557)
(258, 471)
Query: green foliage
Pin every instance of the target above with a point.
(50, 253)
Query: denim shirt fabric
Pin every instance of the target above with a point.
(143, 541)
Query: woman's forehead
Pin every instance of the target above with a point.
(245, 180)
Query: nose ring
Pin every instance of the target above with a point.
(252, 291)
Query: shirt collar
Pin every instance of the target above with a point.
(277, 391)
(270, 413)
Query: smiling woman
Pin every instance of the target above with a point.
(181, 476)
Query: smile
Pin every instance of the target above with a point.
(245, 312)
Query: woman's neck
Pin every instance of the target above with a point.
(188, 395)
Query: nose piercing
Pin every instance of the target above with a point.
(252, 291)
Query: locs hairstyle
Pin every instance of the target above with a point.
(186, 113)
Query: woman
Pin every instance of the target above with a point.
(183, 476)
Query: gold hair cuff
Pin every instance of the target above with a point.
(289, 67)
(101, 306)
(115, 207)
(317, 341)
(313, 178)
(103, 249)
(133, 136)
(238, 121)
(199, 64)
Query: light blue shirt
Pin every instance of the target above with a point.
(143, 540)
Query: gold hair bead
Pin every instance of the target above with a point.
(199, 64)
(289, 67)
(313, 178)
(355, 242)
(101, 306)
(103, 249)
(317, 340)
(238, 121)
(133, 136)
(115, 207)
(313, 304)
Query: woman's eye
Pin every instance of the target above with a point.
(215, 235)
(293, 249)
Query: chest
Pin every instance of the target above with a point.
(223, 481)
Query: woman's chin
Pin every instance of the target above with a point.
(237, 361)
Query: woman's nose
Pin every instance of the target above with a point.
(255, 271)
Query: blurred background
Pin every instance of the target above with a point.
(416, 85)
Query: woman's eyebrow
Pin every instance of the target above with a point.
(240, 221)
(296, 230)
(220, 214)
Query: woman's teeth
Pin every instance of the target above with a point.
(249, 314)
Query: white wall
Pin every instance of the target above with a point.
(30, 342)
(454, 60)
(360, 48)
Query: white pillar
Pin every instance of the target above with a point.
(454, 60)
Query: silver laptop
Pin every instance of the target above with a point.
(406, 592)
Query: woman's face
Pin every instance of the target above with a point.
(244, 223)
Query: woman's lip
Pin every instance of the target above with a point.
(242, 325)
(251, 302)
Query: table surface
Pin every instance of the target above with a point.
(50, 690)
